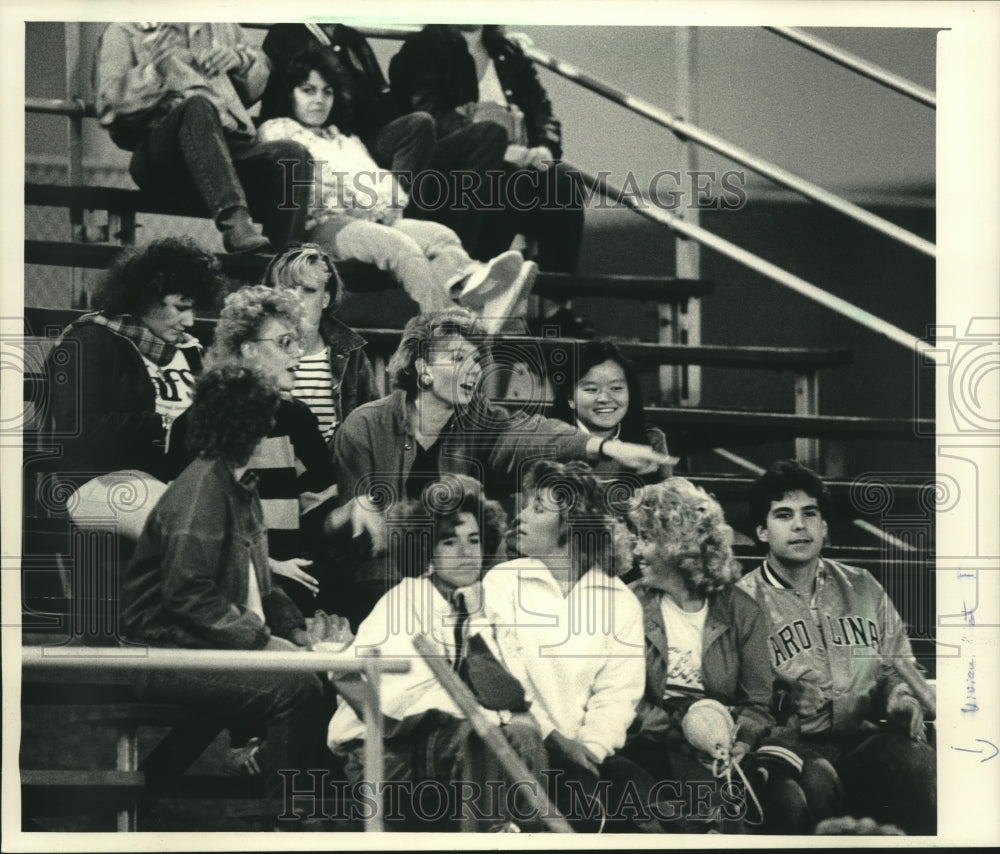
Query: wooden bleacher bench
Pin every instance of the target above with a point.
(98, 680)
(364, 278)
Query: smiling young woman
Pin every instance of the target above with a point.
(437, 421)
(260, 328)
(358, 211)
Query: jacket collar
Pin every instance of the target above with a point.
(339, 336)
(773, 579)
(716, 621)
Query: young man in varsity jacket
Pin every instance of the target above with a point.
(835, 642)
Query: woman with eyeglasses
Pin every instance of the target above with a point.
(437, 421)
(260, 327)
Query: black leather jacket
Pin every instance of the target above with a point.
(435, 72)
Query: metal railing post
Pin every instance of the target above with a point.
(686, 317)
(74, 166)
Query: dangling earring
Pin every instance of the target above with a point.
(425, 381)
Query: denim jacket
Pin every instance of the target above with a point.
(188, 580)
(734, 663)
(374, 451)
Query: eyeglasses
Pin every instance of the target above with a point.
(286, 343)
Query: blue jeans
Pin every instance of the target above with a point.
(290, 707)
(434, 747)
(189, 156)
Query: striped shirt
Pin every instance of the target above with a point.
(314, 386)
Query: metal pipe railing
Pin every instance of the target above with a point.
(759, 265)
(160, 658)
(69, 107)
(687, 130)
(855, 63)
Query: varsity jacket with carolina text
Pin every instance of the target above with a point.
(834, 648)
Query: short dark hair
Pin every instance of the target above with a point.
(783, 477)
(588, 355)
(139, 278)
(233, 409)
(441, 503)
(283, 270)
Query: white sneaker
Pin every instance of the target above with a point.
(505, 303)
(487, 278)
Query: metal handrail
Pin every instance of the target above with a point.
(675, 223)
(687, 130)
(73, 108)
(855, 63)
(759, 265)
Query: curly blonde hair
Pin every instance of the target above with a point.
(689, 528)
(244, 314)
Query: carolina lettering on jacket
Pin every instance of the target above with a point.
(794, 638)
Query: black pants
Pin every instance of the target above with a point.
(292, 708)
(188, 155)
(543, 206)
(434, 169)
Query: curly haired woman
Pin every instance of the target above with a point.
(566, 627)
(121, 375)
(442, 543)
(705, 638)
(260, 328)
(200, 579)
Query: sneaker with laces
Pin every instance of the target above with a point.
(505, 304)
(486, 279)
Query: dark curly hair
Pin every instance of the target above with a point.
(233, 409)
(320, 60)
(589, 354)
(783, 477)
(690, 532)
(433, 518)
(139, 278)
(418, 334)
(597, 539)
(284, 270)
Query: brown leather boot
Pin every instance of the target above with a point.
(239, 233)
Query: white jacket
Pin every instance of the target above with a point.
(580, 658)
(348, 181)
(413, 606)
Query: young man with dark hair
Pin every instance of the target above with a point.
(834, 642)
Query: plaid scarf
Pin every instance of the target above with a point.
(158, 351)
